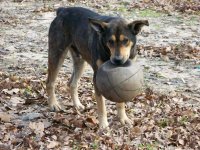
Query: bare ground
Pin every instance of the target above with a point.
(166, 116)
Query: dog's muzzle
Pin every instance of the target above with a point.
(118, 60)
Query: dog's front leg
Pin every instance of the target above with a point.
(101, 106)
(101, 109)
(121, 113)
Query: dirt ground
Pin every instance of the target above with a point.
(166, 116)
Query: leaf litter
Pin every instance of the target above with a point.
(165, 116)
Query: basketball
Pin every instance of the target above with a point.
(120, 83)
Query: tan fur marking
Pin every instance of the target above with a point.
(113, 37)
(121, 37)
(99, 62)
(125, 50)
(112, 49)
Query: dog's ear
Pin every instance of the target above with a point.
(137, 25)
(98, 25)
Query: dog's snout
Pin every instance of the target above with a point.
(118, 60)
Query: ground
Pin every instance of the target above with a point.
(165, 116)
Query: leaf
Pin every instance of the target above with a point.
(10, 92)
(15, 100)
(92, 120)
(169, 133)
(38, 128)
(46, 123)
(5, 117)
(136, 130)
(158, 137)
(181, 141)
(52, 144)
(78, 123)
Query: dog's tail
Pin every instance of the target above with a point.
(59, 11)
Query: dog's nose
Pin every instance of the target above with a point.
(118, 60)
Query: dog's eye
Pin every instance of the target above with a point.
(125, 41)
(111, 42)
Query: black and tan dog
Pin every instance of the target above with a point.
(90, 38)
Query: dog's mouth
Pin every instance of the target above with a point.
(118, 60)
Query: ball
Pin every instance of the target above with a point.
(120, 83)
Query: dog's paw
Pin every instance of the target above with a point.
(103, 123)
(55, 106)
(79, 106)
(125, 120)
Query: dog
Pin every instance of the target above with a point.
(92, 38)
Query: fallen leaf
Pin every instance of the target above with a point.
(158, 137)
(10, 92)
(181, 141)
(52, 144)
(15, 100)
(92, 120)
(78, 123)
(47, 123)
(136, 130)
(5, 117)
(169, 133)
(38, 128)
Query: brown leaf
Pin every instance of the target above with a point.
(92, 120)
(38, 128)
(5, 117)
(66, 122)
(78, 123)
(30, 143)
(136, 130)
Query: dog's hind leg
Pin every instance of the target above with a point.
(57, 51)
(78, 68)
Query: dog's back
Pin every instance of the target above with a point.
(74, 24)
(75, 20)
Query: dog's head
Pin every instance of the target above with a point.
(119, 37)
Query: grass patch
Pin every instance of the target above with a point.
(193, 20)
(149, 13)
(183, 120)
(163, 123)
(122, 9)
(147, 146)
(157, 26)
(95, 145)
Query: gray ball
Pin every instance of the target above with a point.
(120, 83)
